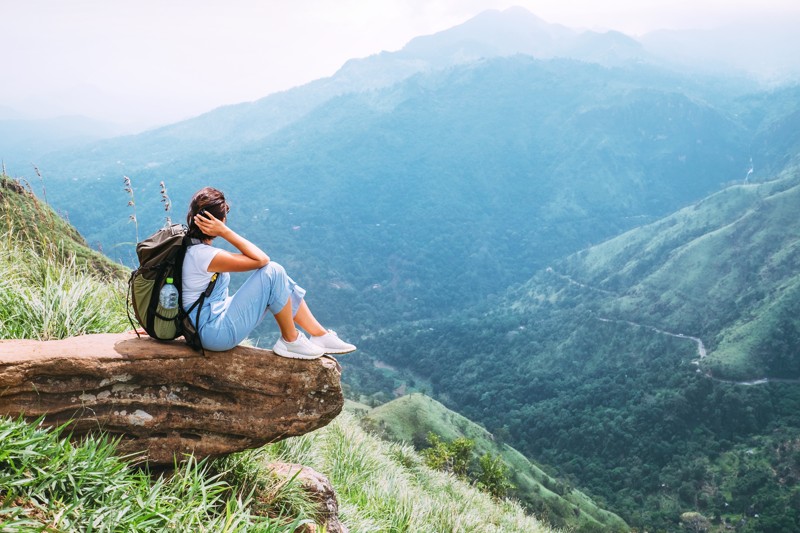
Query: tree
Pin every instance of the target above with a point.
(461, 450)
(493, 477)
(438, 455)
(452, 456)
(695, 522)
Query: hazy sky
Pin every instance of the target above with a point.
(158, 61)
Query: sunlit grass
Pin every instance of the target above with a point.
(386, 486)
(42, 297)
(49, 484)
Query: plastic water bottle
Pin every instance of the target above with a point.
(168, 297)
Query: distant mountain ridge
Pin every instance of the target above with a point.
(489, 34)
(23, 141)
(762, 46)
(517, 31)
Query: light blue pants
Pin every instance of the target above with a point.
(268, 288)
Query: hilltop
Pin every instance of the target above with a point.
(26, 219)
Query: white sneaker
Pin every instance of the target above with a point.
(300, 348)
(331, 343)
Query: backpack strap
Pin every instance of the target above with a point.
(128, 304)
(198, 304)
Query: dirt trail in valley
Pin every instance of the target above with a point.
(701, 348)
(701, 352)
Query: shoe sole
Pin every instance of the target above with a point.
(340, 352)
(293, 355)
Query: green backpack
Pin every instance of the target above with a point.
(161, 257)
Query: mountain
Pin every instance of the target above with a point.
(489, 34)
(517, 31)
(762, 47)
(506, 163)
(659, 369)
(724, 270)
(24, 141)
(409, 419)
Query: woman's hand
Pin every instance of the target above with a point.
(211, 226)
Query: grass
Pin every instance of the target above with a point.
(52, 285)
(49, 484)
(385, 486)
(409, 419)
(26, 220)
(41, 298)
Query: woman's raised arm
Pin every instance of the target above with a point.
(251, 257)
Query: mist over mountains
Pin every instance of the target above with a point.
(759, 50)
(537, 226)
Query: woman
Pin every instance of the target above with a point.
(226, 320)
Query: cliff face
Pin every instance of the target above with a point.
(165, 399)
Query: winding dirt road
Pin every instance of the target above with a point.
(701, 348)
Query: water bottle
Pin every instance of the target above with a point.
(168, 297)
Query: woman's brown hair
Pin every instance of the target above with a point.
(213, 201)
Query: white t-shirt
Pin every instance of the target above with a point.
(195, 272)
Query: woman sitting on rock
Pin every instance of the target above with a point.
(225, 320)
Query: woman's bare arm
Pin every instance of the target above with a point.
(250, 258)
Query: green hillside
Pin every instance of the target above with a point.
(24, 219)
(48, 483)
(52, 284)
(724, 270)
(595, 364)
(410, 418)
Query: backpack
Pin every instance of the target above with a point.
(160, 257)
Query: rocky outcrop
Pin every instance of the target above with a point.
(319, 491)
(165, 399)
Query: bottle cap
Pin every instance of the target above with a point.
(169, 280)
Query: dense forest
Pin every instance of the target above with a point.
(618, 394)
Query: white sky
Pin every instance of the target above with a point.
(147, 62)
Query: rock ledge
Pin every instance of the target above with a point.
(164, 398)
